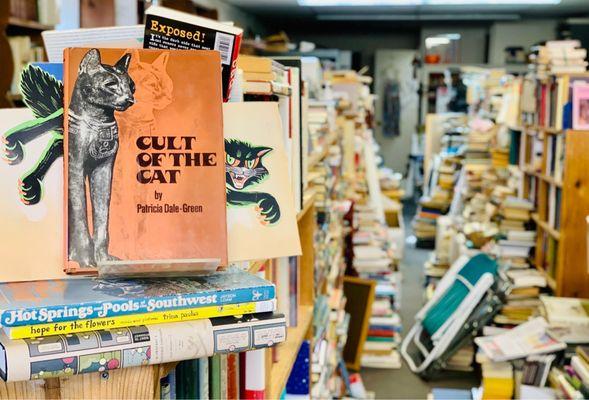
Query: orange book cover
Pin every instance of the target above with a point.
(144, 173)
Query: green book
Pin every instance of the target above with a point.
(187, 382)
(215, 376)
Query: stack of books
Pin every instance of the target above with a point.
(561, 57)
(384, 330)
(515, 215)
(321, 123)
(462, 360)
(125, 321)
(263, 76)
(572, 380)
(498, 382)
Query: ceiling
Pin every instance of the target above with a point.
(290, 9)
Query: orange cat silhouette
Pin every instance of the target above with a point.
(153, 91)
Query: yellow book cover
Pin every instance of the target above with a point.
(123, 321)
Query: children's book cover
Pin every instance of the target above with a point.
(31, 175)
(144, 171)
(61, 300)
(261, 218)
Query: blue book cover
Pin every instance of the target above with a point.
(30, 303)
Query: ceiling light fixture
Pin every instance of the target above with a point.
(400, 3)
(420, 17)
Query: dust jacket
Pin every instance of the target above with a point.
(170, 29)
(144, 172)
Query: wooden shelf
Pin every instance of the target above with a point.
(306, 207)
(545, 227)
(28, 24)
(546, 178)
(287, 353)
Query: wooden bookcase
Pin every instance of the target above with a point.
(567, 243)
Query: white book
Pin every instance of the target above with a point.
(524, 340)
(128, 37)
(565, 310)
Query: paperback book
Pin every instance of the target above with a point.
(261, 217)
(170, 29)
(151, 318)
(39, 302)
(143, 177)
(105, 350)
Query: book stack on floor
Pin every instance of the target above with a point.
(374, 260)
(462, 360)
(498, 381)
(560, 57)
(571, 381)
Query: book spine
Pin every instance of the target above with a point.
(62, 328)
(203, 378)
(255, 373)
(103, 309)
(66, 355)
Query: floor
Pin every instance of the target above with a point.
(402, 383)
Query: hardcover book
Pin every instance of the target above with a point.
(143, 176)
(100, 351)
(39, 302)
(261, 217)
(170, 29)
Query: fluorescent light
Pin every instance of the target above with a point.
(420, 17)
(488, 2)
(397, 3)
(346, 3)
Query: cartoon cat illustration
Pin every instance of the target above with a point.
(43, 94)
(93, 140)
(244, 169)
(154, 92)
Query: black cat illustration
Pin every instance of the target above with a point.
(43, 95)
(244, 169)
(93, 141)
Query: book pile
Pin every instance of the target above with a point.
(438, 202)
(561, 57)
(571, 381)
(462, 360)
(373, 259)
(321, 117)
(127, 315)
(263, 76)
(497, 382)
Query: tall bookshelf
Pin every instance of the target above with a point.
(561, 248)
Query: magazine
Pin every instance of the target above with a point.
(526, 339)
(100, 351)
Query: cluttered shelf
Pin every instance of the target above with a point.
(288, 351)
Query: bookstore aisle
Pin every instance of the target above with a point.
(402, 383)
